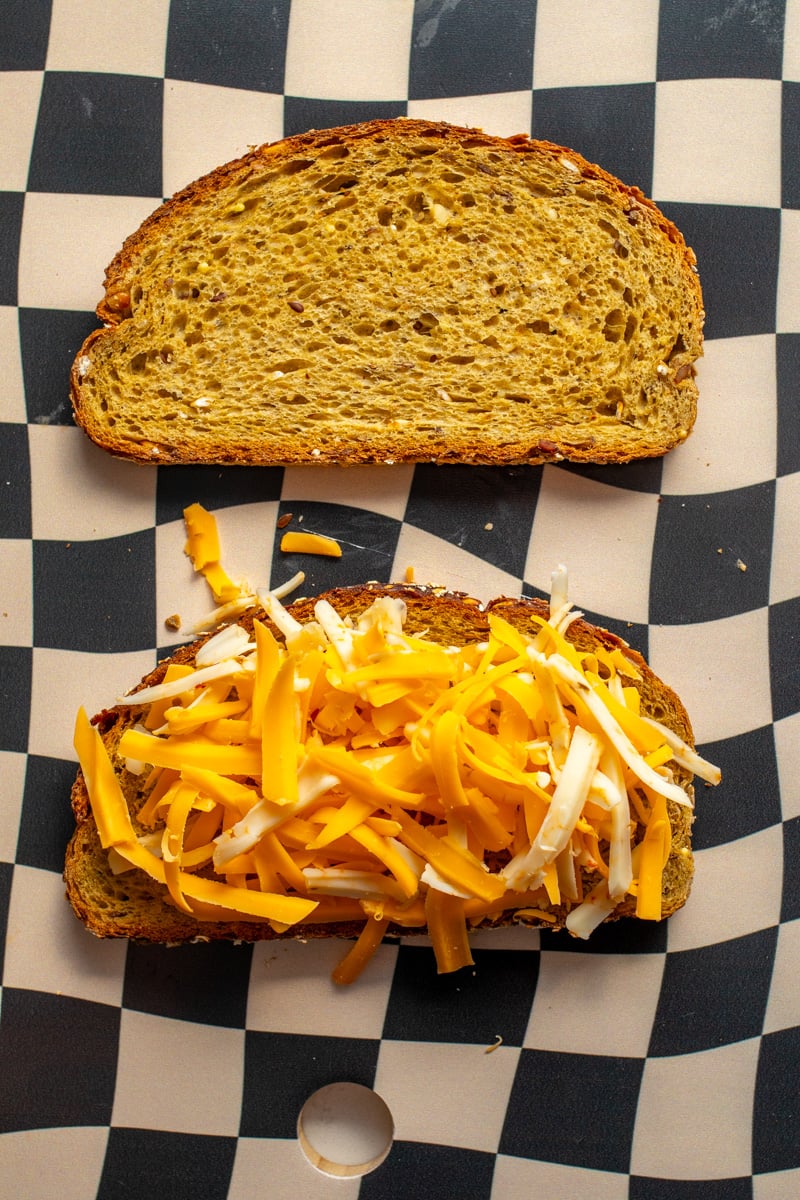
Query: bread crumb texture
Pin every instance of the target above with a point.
(402, 291)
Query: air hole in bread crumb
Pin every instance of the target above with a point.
(336, 183)
(289, 365)
(425, 323)
(608, 228)
(614, 325)
(335, 150)
(678, 348)
(344, 202)
(295, 167)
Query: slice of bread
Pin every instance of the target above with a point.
(132, 905)
(397, 291)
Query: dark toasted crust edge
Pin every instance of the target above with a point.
(451, 616)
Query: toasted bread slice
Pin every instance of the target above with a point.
(133, 905)
(397, 291)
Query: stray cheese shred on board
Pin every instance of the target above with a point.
(353, 772)
(310, 543)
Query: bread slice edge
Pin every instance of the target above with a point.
(546, 446)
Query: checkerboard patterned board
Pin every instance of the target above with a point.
(654, 1062)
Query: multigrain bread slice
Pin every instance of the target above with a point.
(134, 906)
(397, 291)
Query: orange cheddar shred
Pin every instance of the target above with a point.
(310, 543)
(448, 930)
(356, 773)
(203, 548)
(105, 794)
(361, 952)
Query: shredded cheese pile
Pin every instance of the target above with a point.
(353, 772)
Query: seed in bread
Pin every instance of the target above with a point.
(386, 760)
(397, 291)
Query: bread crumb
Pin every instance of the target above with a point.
(173, 621)
(742, 566)
(489, 525)
(283, 521)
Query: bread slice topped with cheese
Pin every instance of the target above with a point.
(386, 760)
(397, 291)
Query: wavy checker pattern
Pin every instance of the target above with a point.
(655, 1062)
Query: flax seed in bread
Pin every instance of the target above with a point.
(397, 291)
(131, 904)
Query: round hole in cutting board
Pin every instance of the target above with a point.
(345, 1130)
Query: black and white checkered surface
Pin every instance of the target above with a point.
(655, 1062)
